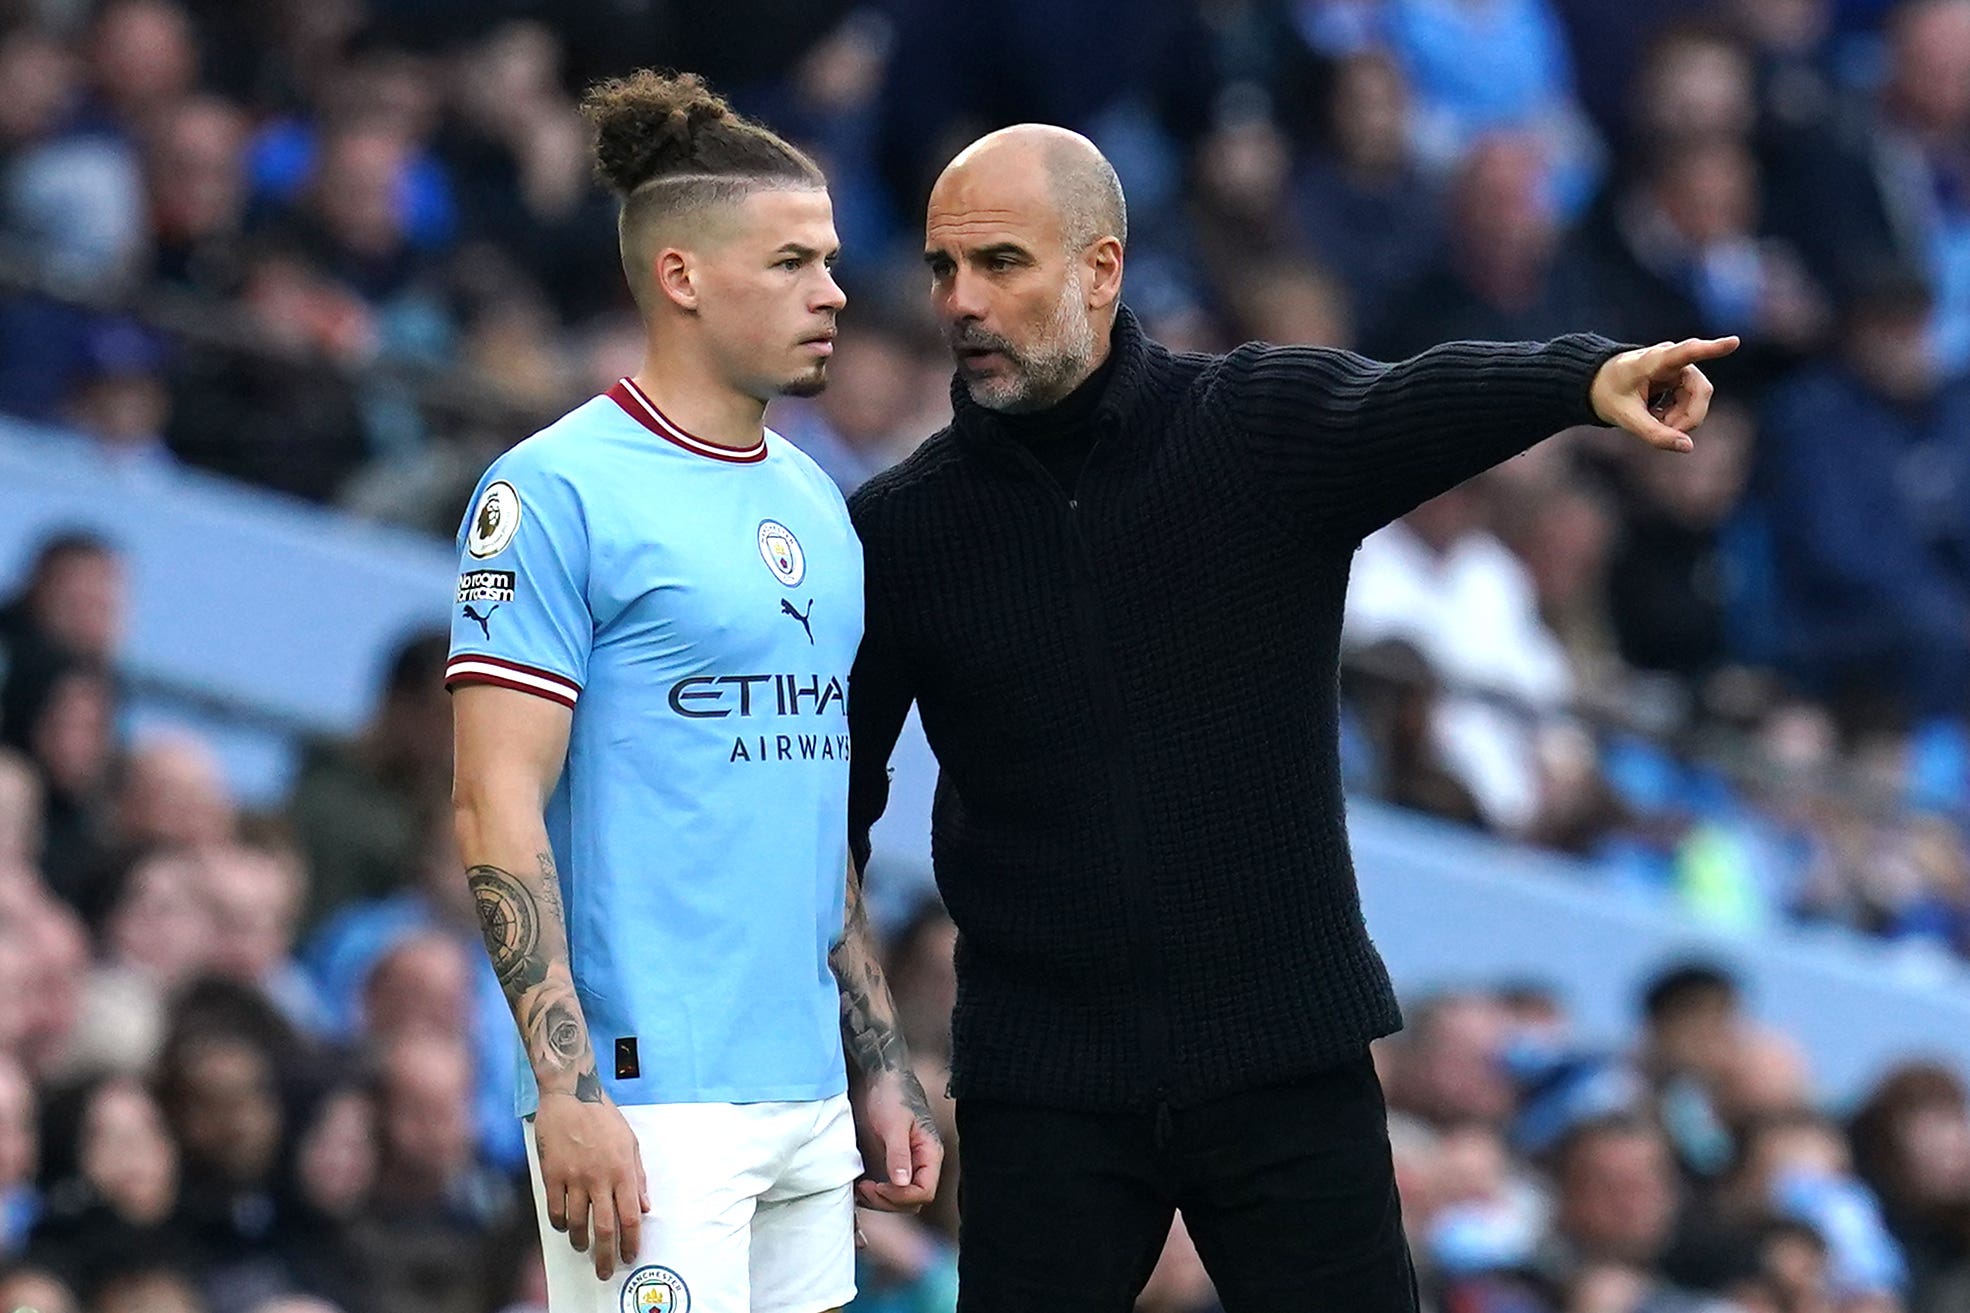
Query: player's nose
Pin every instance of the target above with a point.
(831, 297)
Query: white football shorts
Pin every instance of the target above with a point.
(752, 1210)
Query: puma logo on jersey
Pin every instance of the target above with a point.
(787, 608)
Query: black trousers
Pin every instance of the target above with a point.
(1289, 1193)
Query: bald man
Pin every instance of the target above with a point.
(1113, 588)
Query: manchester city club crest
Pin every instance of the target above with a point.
(655, 1290)
(781, 552)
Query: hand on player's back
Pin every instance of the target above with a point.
(1658, 393)
(594, 1177)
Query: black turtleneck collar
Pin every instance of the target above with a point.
(1065, 419)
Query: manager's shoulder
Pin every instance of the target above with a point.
(916, 480)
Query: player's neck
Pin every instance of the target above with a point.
(706, 407)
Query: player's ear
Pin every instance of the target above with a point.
(675, 277)
(1104, 261)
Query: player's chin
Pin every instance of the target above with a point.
(809, 382)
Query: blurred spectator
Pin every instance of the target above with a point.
(161, 1289)
(279, 416)
(518, 156)
(255, 895)
(63, 715)
(31, 1288)
(1697, 85)
(1393, 695)
(73, 599)
(57, 958)
(71, 198)
(1292, 302)
(954, 65)
(1609, 43)
(384, 101)
(1486, 66)
(422, 984)
(1502, 275)
(195, 162)
(1911, 1143)
(923, 976)
(1873, 542)
(419, 986)
(1680, 255)
(1617, 1204)
(110, 1179)
(20, 812)
(1795, 1164)
(1239, 204)
(332, 1181)
(1672, 578)
(1563, 540)
(20, 1202)
(1363, 204)
(335, 1166)
(1767, 1075)
(119, 400)
(349, 222)
(1446, 1065)
(1891, 187)
(219, 1086)
(1439, 580)
(173, 794)
(443, 1231)
(159, 923)
(357, 806)
(142, 57)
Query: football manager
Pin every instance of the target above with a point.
(1113, 589)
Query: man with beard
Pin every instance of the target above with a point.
(1113, 588)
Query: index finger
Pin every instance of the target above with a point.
(928, 1156)
(1692, 350)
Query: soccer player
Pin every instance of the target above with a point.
(658, 607)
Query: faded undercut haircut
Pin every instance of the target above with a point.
(670, 147)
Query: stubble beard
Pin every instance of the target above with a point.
(1038, 378)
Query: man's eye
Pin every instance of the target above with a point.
(791, 264)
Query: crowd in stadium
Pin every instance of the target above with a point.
(249, 1063)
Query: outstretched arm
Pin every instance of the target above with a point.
(1352, 443)
(508, 751)
(900, 1144)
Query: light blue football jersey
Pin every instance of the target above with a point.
(699, 609)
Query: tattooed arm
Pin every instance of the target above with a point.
(900, 1145)
(508, 751)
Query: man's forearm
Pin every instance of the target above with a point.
(525, 929)
(1361, 443)
(871, 1034)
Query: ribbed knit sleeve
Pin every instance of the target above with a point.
(879, 689)
(1351, 444)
